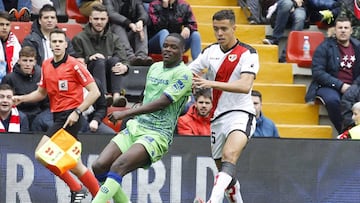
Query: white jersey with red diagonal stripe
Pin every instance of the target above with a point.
(228, 66)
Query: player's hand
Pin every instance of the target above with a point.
(199, 82)
(116, 115)
(72, 119)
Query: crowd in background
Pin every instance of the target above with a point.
(138, 28)
(108, 46)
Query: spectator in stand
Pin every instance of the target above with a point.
(95, 114)
(169, 16)
(24, 79)
(19, 10)
(354, 131)
(264, 126)
(103, 52)
(348, 100)
(40, 31)
(85, 6)
(335, 66)
(197, 119)
(289, 13)
(351, 9)
(324, 11)
(256, 10)
(10, 46)
(9, 114)
(129, 21)
(146, 4)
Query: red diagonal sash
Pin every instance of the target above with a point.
(225, 71)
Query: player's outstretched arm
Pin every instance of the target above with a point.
(153, 106)
(243, 85)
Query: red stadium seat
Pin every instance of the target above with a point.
(72, 11)
(294, 52)
(20, 29)
(71, 29)
(116, 127)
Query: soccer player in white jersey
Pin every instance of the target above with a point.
(231, 67)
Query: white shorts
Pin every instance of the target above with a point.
(223, 126)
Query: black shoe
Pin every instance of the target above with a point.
(136, 61)
(282, 60)
(147, 61)
(141, 61)
(77, 197)
(109, 100)
(252, 20)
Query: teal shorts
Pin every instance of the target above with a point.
(155, 144)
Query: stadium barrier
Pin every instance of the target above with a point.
(270, 170)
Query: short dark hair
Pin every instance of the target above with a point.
(5, 15)
(342, 19)
(6, 87)
(205, 92)
(177, 35)
(225, 15)
(100, 8)
(57, 31)
(256, 93)
(45, 8)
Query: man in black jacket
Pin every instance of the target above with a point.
(335, 67)
(39, 36)
(23, 80)
(103, 53)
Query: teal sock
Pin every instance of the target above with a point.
(107, 191)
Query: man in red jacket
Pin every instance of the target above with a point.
(197, 119)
